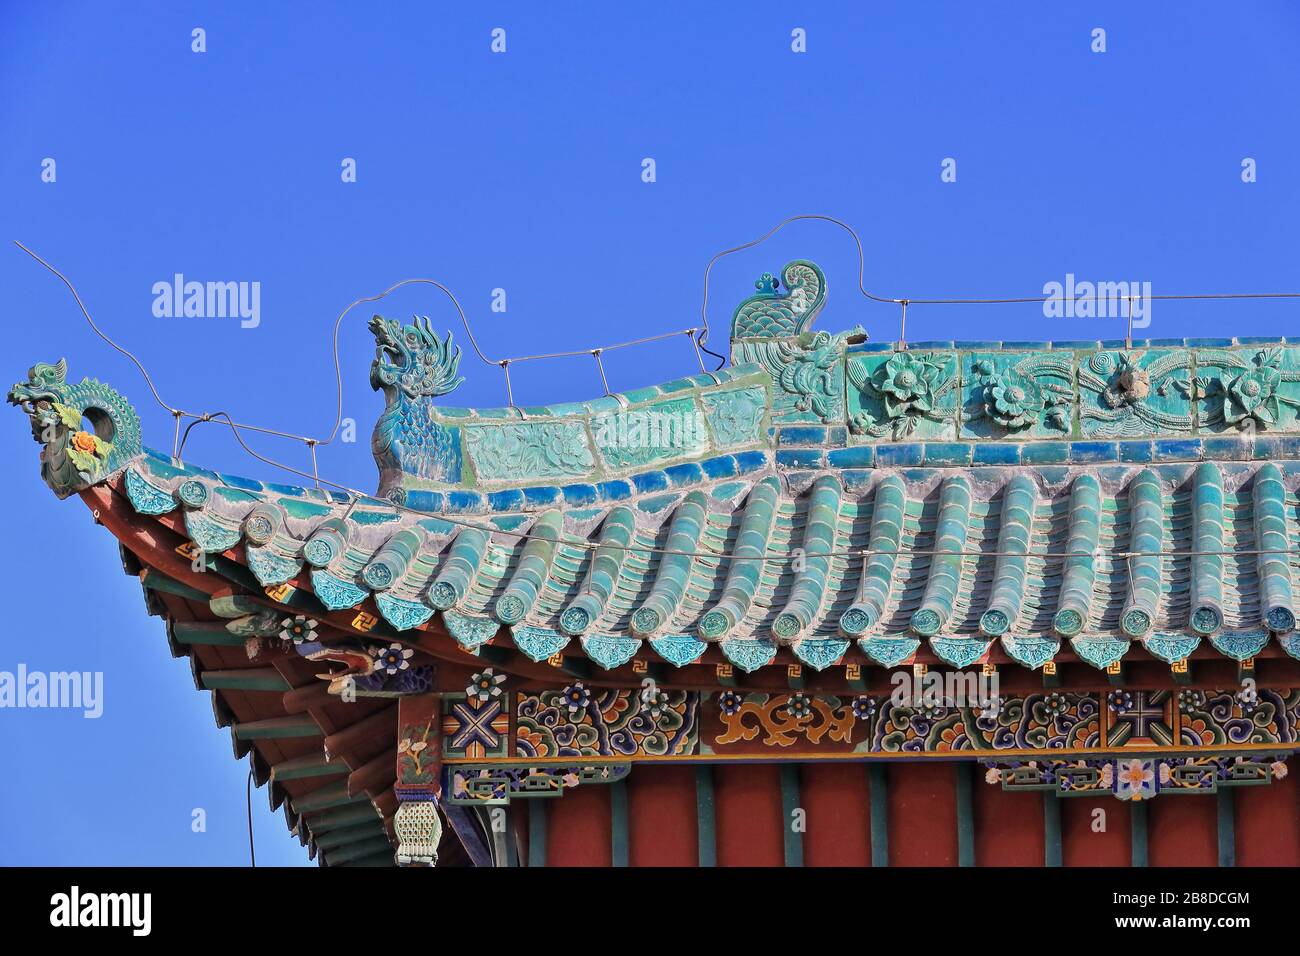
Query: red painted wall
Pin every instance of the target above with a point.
(1080, 846)
(922, 814)
(1182, 830)
(1008, 826)
(577, 827)
(837, 800)
(662, 820)
(662, 830)
(1268, 821)
(747, 802)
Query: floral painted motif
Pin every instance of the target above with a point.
(576, 698)
(298, 629)
(799, 706)
(392, 659)
(729, 702)
(607, 723)
(654, 702)
(410, 750)
(1135, 779)
(485, 685)
(1034, 722)
(1219, 718)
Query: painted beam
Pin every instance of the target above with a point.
(1075, 604)
(674, 566)
(1009, 572)
(1271, 541)
(879, 783)
(308, 765)
(532, 568)
(945, 566)
(356, 851)
(746, 567)
(809, 588)
(603, 572)
(706, 816)
(356, 833)
(1146, 540)
(277, 728)
(245, 678)
(327, 797)
(157, 581)
(1207, 538)
(459, 570)
(882, 556)
(323, 821)
(208, 633)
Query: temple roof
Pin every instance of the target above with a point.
(825, 501)
(757, 558)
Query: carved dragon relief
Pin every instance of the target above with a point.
(88, 431)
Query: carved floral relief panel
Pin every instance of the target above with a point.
(555, 449)
(1239, 390)
(1018, 395)
(896, 396)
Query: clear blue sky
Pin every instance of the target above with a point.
(522, 171)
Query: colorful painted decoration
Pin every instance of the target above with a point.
(530, 590)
